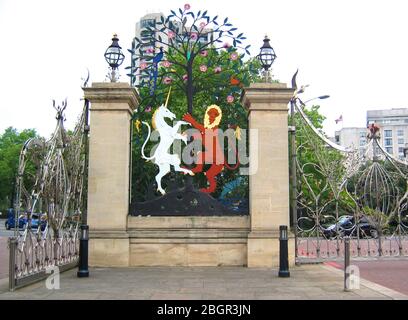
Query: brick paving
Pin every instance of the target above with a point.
(227, 283)
(391, 273)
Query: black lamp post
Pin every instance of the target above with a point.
(114, 57)
(266, 56)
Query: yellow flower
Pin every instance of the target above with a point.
(137, 125)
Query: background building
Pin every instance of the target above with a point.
(141, 32)
(351, 138)
(393, 124)
(394, 128)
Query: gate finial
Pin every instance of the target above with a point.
(294, 85)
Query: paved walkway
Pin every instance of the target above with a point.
(177, 283)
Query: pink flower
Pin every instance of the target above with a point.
(234, 56)
(187, 6)
(149, 50)
(167, 80)
(166, 64)
(185, 77)
(217, 69)
(171, 34)
(202, 24)
(230, 99)
(143, 65)
(193, 35)
(226, 45)
(148, 109)
(204, 53)
(203, 68)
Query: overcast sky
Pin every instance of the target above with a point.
(354, 51)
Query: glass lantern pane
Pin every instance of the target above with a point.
(267, 50)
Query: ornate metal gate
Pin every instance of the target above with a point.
(360, 193)
(54, 196)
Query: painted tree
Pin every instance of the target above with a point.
(187, 42)
(226, 95)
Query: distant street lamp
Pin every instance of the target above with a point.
(316, 98)
(266, 56)
(114, 57)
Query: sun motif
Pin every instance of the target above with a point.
(207, 123)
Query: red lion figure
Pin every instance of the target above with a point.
(212, 152)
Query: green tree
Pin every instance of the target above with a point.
(11, 142)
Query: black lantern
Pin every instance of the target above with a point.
(114, 55)
(267, 55)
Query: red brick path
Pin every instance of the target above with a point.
(392, 274)
(4, 257)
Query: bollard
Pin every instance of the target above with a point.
(346, 263)
(12, 263)
(283, 252)
(83, 252)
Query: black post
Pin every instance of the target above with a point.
(283, 252)
(12, 262)
(83, 245)
(346, 263)
(83, 253)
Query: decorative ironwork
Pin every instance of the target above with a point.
(184, 38)
(358, 192)
(201, 59)
(56, 197)
(184, 199)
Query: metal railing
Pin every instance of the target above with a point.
(57, 195)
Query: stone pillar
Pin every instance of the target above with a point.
(269, 182)
(112, 105)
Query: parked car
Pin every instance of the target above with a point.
(11, 222)
(36, 220)
(346, 226)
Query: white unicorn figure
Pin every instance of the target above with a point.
(168, 134)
